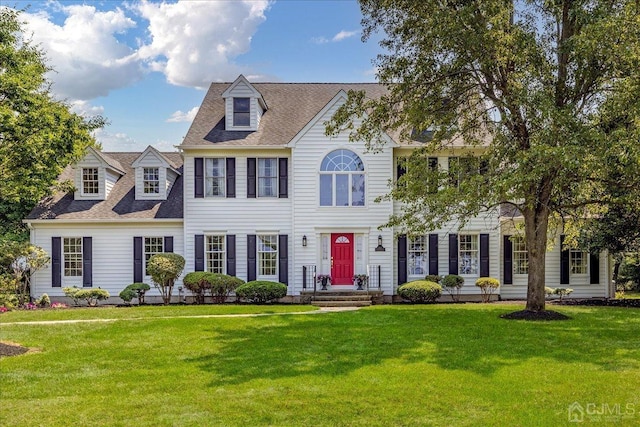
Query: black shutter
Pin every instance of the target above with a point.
(199, 252)
(433, 254)
(507, 259)
(56, 262)
(594, 269)
(251, 257)
(231, 177)
(484, 255)
(283, 178)
(453, 254)
(402, 259)
(564, 263)
(283, 258)
(168, 244)
(87, 262)
(231, 254)
(137, 260)
(251, 177)
(401, 168)
(199, 177)
(432, 185)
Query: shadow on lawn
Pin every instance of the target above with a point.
(469, 339)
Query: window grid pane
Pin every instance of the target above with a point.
(241, 112)
(417, 252)
(267, 177)
(90, 183)
(342, 182)
(267, 255)
(520, 256)
(215, 177)
(578, 261)
(72, 250)
(152, 246)
(215, 253)
(468, 254)
(151, 180)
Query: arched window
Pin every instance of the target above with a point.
(342, 179)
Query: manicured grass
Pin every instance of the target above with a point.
(443, 365)
(631, 295)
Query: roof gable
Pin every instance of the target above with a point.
(155, 157)
(107, 161)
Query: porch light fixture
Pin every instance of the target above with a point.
(380, 248)
(304, 241)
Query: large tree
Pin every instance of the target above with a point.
(39, 136)
(546, 90)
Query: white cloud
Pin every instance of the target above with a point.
(320, 40)
(194, 43)
(344, 35)
(117, 141)
(180, 116)
(88, 59)
(86, 109)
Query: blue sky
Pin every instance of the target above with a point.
(145, 65)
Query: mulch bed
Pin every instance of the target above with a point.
(11, 350)
(601, 302)
(545, 315)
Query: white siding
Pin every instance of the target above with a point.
(112, 245)
(167, 176)
(242, 90)
(110, 180)
(90, 161)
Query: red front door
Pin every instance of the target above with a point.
(342, 258)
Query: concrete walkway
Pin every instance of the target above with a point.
(196, 316)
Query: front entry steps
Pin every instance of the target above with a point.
(342, 299)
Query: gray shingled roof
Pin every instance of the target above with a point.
(291, 107)
(121, 203)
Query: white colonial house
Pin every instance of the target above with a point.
(259, 191)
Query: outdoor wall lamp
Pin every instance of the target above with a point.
(380, 248)
(304, 241)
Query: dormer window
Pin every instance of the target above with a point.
(151, 180)
(241, 112)
(90, 183)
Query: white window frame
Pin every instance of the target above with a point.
(147, 243)
(215, 253)
(221, 178)
(417, 250)
(473, 269)
(262, 178)
(520, 255)
(578, 265)
(235, 124)
(151, 180)
(72, 257)
(90, 181)
(267, 259)
(351, 176)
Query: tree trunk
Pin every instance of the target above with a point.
(536, 222)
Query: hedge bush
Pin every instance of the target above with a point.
(92, 295)
(134, 290)
(435, 278)
(452, 284)
(222, 285)
(261, 291)
(164, 269)
(420, 291)
(487, 286)
(72, 292)
(197, 282)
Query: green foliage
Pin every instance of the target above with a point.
(9, 301)
(72, 292)
(420, 291)
(43, 301)
(164, 269)
(198, 282)
(261, 291)
(19, 260)
(549, 291)
(487, 285)
(127, 295)
(563, 292)
(222, 285)
(435, 278)
(545, 96)
(452, 284)
(134, 290)
(92, 295)
(40, 136)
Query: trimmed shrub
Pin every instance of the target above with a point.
(43, 301)
(562, 292)
(197, 282)
(261, 291)
(452, 284)
(221, 286)
(164, 269)
(420, 291)
(435, 278)
(127, 295)
(9, 301)
(92, 295)
(487, 286)
(72, 292)
(549, 291)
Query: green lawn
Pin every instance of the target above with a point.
(448, 365)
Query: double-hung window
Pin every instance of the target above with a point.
(90, 183)
(215, 177)
(267, 255)
(151, 180)
(520, 255)
(468, 254)
(215, 253)
(72, 252)
(578, 261)
(152, 246)
(342, 179)
(267, 177)
(417, 254)
(241, 112)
